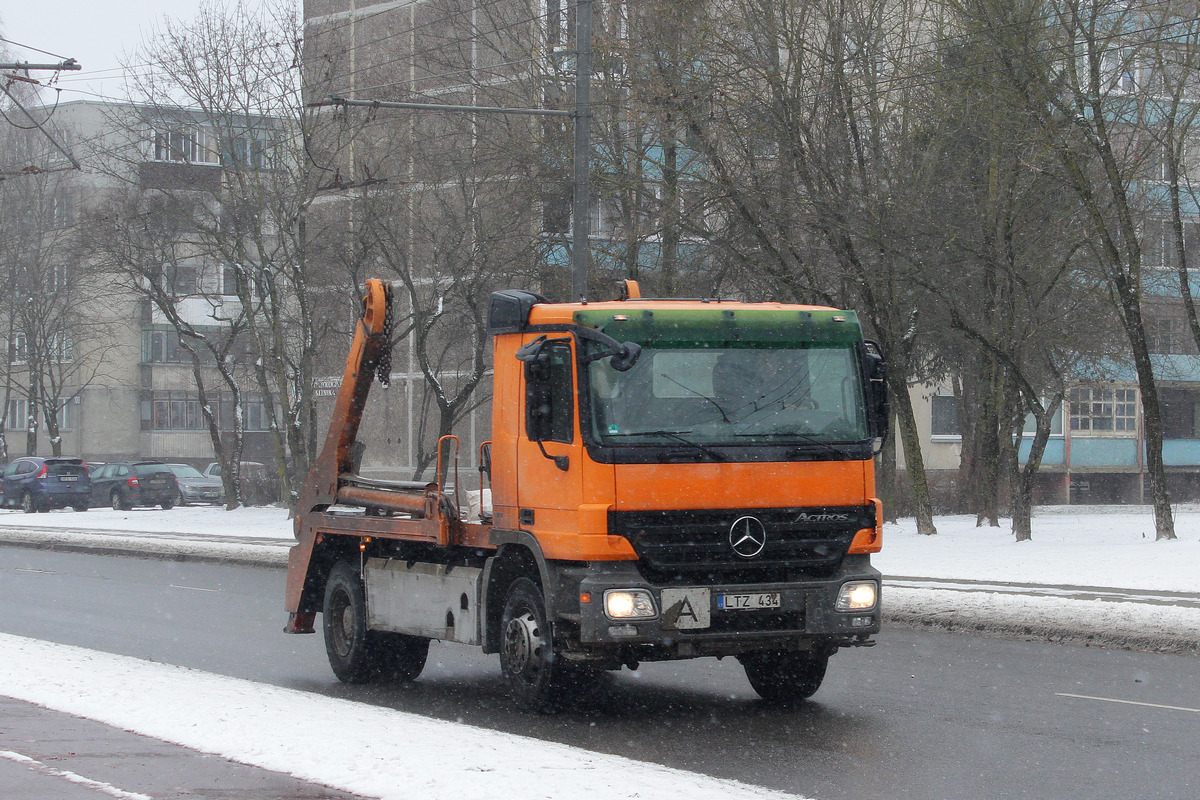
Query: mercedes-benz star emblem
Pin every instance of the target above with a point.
(747, 537)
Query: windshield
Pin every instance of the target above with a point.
(730, 396)
(184, 471)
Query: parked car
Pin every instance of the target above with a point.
(40, 484)
(125, 484)
(196, 487)
(259, 484)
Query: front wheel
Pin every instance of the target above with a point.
(538, 678)
(784, 676)
(359, 655)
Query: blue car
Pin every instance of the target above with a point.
(40, 484)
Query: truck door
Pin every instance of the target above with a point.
(549, 447)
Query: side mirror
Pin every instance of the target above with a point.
(879, 410)
(628, 355)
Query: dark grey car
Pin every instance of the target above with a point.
(195, 487)
(125, 484)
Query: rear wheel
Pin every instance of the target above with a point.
(359, 655)
(80, 507)
(118, 502)
(538, 678)
(168, 504)
(784, 676)
(28, 503)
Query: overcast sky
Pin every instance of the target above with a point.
(96, 34)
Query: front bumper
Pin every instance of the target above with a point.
(690, 620)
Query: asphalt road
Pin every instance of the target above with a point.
(922, 715)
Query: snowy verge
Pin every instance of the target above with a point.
(1130, 626)
(178, 547)
(354, 747)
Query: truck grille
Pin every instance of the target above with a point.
(685, 546)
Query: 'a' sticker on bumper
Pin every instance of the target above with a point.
(686, 608)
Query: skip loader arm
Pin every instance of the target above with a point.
(337, 456)
(320, 488)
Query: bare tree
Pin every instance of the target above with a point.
(225, 89)
(1077, 80)
(56, 327)
(804, 128)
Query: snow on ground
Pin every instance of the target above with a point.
(259, 521)
(355, 747)
(1111, 546)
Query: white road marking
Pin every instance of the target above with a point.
(38, 571)
(192, 588)
(46, 769)
(1128, 702)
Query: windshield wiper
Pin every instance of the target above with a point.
(677, 436)
(836, 448)
(701, 395)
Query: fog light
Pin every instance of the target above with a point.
(861, 622)
(617, 631)
(629, 604)
(857, 596)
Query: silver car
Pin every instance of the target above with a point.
(195, 487)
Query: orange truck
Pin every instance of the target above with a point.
(666, 479)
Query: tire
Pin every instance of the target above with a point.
(28, 504)
(117, 502)
(538, 678)
(783, 676)
(80, 507)
(179, 501)
(358, 655)
(168, 504)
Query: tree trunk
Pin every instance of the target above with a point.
(1131, 315)
(914, 462)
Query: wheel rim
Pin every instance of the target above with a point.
(523, 646)
(342, 616)
(27, 502)
(116, 501)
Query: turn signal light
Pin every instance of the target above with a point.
(867, 540)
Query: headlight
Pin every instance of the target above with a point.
(857, 596)
(629, 604)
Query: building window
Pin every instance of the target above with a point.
(1103, 410)
(1165, 335)
(230, 281)
(181, 280)
(18, 349)
(185, 145)
(16, 421)
(1180, 413)
(162, 347)
(249, 153)
(181, 411)
(945, 420)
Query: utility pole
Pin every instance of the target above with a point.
(581, 203)
(69, 64)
